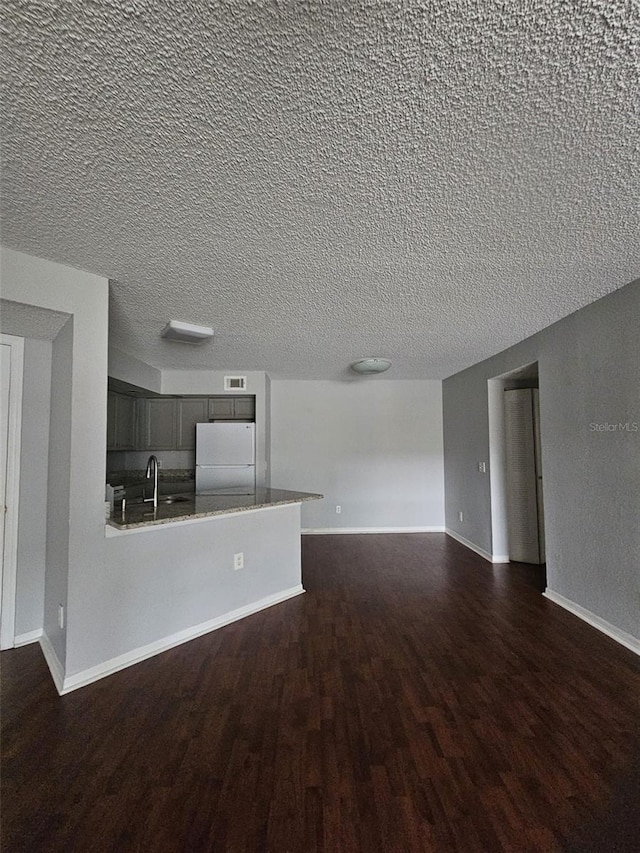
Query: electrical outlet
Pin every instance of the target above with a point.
(61, 615)
(482, 467)
(238, 561)
(460, 516)
(338, 509)
(160, 464)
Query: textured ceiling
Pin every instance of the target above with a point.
(427, 181)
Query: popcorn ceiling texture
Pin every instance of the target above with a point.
(427, 181)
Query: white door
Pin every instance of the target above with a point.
(11, 359)
(522, 485)
(225, 479)
(225, 444)
(538, 456)
(5, 384)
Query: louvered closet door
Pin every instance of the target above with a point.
(522, 509)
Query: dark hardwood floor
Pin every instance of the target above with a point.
(415, 699)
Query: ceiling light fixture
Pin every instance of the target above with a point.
(186, 333)
(371, 365)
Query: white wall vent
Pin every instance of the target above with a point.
(235, 383)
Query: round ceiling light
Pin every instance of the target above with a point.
(371, 365)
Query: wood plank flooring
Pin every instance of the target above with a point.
(415, 699)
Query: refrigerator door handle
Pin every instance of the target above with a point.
(225, 466)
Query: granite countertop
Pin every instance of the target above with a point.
(191, 506)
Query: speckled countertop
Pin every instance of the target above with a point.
(200, 506)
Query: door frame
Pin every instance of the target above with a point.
(14, 430)
(496, 385)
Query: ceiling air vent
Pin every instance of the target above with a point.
(235, 383)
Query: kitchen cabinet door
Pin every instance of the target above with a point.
(121, 422)
(245, 408)
(232, 408)
(221, 408)
(190, 412)
(126, 422)
(158, 423)
(111, 420)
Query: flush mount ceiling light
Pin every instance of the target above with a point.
(186, 333)
(371, 365)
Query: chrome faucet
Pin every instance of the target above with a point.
(152, 471)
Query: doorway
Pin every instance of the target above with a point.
(517, 506)
(11, 373)
(525, 513)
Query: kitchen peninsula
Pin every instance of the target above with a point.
(187, 568)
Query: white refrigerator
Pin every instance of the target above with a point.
(225, 459)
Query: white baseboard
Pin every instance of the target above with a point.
(53, 662)
(25, 639)
(87, 676)
(321, 531)
(492, 558)
(627, 640)
(470, 545)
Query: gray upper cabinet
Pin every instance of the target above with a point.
(191, 411)
(232, 408)
(111, 420)
(245, 407)
(158, 425)
(121, 422)
(221, 407)
(168, 423)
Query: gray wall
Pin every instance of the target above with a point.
(34, 454)
(75, 513)
(589, 374)
(157, 583)
(58, 507)
(372, 446)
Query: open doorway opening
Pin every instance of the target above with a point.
(517, 498)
